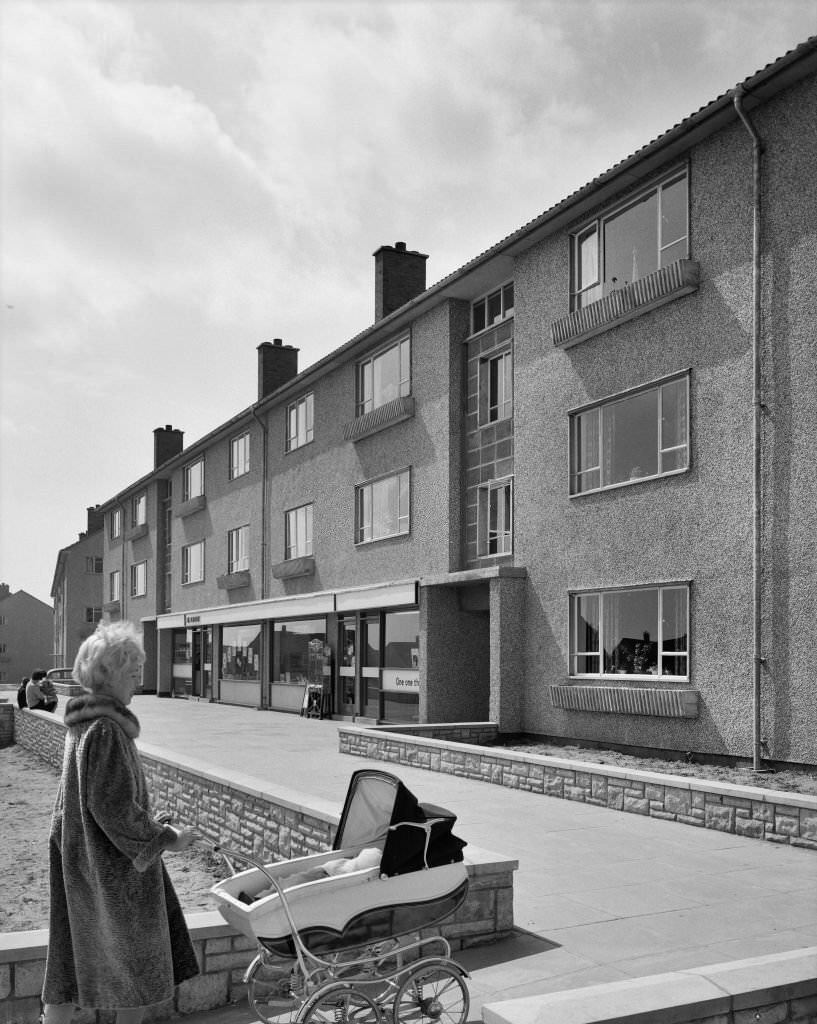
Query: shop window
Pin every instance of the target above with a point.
(401, 663)
(637, 436)
(241, 651)
(299, 651)
(637, 632)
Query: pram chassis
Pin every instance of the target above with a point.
(405, 981)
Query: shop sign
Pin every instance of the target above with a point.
(192, 620)
(401, 680)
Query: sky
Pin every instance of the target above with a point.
(181, 181)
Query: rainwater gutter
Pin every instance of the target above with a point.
(757, 408)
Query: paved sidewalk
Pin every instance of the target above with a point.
(602, 895)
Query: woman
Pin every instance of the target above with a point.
(118, 938)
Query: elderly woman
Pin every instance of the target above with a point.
(118, 938)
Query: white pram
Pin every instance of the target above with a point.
(337, 930)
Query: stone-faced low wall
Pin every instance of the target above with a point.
(743, 810)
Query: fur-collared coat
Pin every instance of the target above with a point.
(117, 934)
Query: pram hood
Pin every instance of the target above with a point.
(380, 810)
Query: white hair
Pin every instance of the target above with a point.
(105, 653)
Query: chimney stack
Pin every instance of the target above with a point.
(277, 365)
(167, 442)
(96, 520)
(399, 276)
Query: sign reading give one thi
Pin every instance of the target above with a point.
(401, 680)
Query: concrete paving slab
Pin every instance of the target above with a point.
(671, 895)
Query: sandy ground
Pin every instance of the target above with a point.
(27, 789)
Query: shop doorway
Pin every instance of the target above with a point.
(378, 666)
(202, 655)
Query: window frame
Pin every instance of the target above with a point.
(186, 578)
(238, 554)
(480, 307)
(596, 226)
(138, 569)
(503, 405)
(139, 509)
(299, 547)
(574, 654)
(574, 416)
(364, 374)
(486, 492)
(404, 488)
(239, 456)
(187, 493)
(93, 614)
(115, 524)
(115, 585)
(93, 565)
(293, 439)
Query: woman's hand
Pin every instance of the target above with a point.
(184, 837)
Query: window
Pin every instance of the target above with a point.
(630, 242)
(116, 523)
(490, 309)
(496, 518)
(239, 456)
(93, 614)
(241, 651)
(299, 651)
(382, 508)
(298, 528)
(238, 553)
(193, 562)
(93, 565)
(638, 632)
(139, 579)
(384, 377)
(193, 480)
(644, 433)
(139, 509)
(496, 387)
(114, 585)
(300, 422)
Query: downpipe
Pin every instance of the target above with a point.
(757, 409)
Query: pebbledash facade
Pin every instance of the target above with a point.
(569, 489)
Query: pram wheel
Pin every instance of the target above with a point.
(339, 1003)
(269, 991)
(433, 991)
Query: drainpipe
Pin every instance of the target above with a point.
(757, 405)
(264, 434)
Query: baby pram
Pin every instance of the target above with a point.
(338, 931)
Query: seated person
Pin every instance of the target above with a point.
(41, 694)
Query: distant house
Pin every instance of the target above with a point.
(77, 590)
(26, 635)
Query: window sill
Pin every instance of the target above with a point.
(291, 568)
(137, 532)
(626, 303)
(378, 419)
(680, 702)
(633, 481)
(187, 508)
(233, 580)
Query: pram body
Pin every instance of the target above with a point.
(309, 923)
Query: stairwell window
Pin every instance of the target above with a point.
(495, 529)
(193, 480)
(384, 376)
(496, 388)
(298, 532)
(631, 241)
(641, 631)
(139, 579)
(238, 551)
(490, 309)
(382, 508)
(193, 563)
(239, 455)
(300, 422)
(639, 435)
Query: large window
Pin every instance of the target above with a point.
(642, 631)
(630, 242)
(495, 527)
(238, 552)
(496, 387)
(193, 562)
(139, 509)
(193, 480)
(298, 530)
(300, 422)
(239, 455)
(241, 651)
(116, 523)
(115, 585)
(492, 308)
(139, 579)
(299, 651)
(401, 666)
(644, 433)
(384, 377)
(382, 508)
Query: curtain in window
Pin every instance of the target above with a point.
(384, 507)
